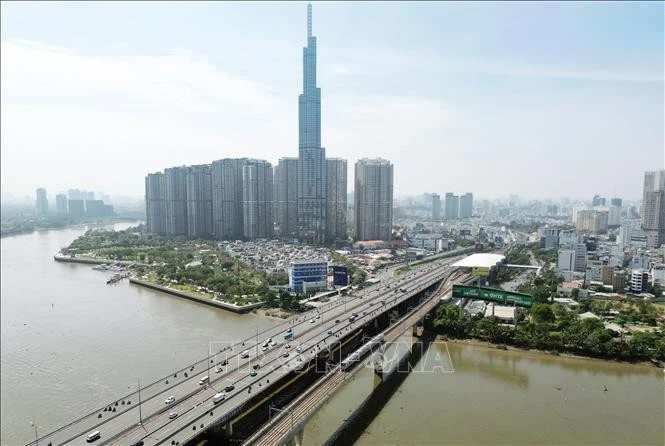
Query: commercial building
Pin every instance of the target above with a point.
(74, 194)
(199, 201)
(311, 156)
(286, 197)
(41, 203)
(618, 281)
(638, 280)
(653, 207)
(308, 275)
(257, 189)
(451, 211)
(373, 199)
(227, 198)
(61, 204)
(436, 207)
(97, 208)
(336, 199)
(466, 205)
(549, 238)
(76, 208)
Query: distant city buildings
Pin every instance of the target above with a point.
(41, 202)
(436, 207)
(373, 199)
(451, 206)
(466, 205)
(336, 195)
(286, 201)
(592, 221)
(61, 204)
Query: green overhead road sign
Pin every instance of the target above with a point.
(492, 295)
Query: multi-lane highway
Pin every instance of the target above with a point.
(193, 402)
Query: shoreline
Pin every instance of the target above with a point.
(185, 295)
(479, 343)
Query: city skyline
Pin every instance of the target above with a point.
(598, 99)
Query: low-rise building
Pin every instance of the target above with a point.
(308, 275)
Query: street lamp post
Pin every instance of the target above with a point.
(36, 437)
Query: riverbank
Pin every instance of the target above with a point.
(480, 343)
(189, 296)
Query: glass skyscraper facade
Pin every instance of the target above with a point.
(311, 156)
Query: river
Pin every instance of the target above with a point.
(71, 343)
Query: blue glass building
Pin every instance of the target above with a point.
(308, 275)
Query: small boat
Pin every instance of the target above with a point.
(102, 267)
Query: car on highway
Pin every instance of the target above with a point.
(219, 370)
(218, 397)
(92, 436)
(287, 346)
(224, 362)
(298, 349)
(169, 400)
(285, 354)
(264, 348)
(229, 388)
(329, 332)
(253, 373)
(312, 321)
(245, 354)
(173, 415)
(337, 321)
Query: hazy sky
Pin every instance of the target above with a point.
(540, 99)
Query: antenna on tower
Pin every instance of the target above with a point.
(309, 19)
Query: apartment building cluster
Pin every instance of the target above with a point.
(303, 198)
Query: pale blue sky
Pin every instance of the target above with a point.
(542, 99)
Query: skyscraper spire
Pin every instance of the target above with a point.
(309, 19)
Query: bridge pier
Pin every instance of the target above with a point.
(297, 438)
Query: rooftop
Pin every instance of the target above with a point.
(480, 260)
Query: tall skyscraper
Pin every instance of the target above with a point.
(466, 205)
(286, 197)
(199, 201)
(155, 205)
(436, 207)
(175, 196)
(311, 156)
(373, 199)
(227, 198)
(257, 189)
(61, 204)
(41, 202)
(74, 194)
(452, 206)
(653, 207)
(336, 199)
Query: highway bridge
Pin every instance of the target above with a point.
(255, 376)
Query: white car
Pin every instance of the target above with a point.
(170, 400)
(219, 370)
(172, 415)
(312, 321)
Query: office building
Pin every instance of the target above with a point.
(312, 170)
(41, 202)
(466, 205)
(336, 199)
(451, 211)
(74, 194)
(373, 199)
(199, 201)
(155, 205)
(598, 201)
(653, 207)
(61, 204)
(227, 198)
(638, 280)
(76, 208)
(257, 188)
(175, 196)
(566, 260)
(436, 207)
(308, 275)
(618, 281)
(286, 197)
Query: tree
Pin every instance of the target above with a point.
(542, 313)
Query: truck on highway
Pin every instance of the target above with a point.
(204, 379)
(217, 398)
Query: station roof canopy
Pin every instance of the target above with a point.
(479, 260)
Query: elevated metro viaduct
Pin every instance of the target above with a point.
(234, 427)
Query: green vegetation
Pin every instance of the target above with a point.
(19, 224)
(542, 288)
(195, 266)
(555, 329)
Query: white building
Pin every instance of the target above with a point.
(638, 280)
